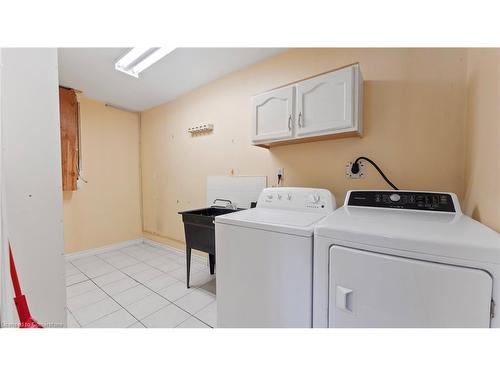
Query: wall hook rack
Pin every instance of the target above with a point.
(201, 129)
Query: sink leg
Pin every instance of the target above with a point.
(188, 264)
(211, 259)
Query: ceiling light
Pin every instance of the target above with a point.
(139, 59)
(129, 58)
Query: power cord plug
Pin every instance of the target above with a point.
(355, 170)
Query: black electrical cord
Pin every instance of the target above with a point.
(355, 170)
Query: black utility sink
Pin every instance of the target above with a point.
(210, 211)
(199, 228)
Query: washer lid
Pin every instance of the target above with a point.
(284, 221)
(451, 235)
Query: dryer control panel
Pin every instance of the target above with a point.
(409, 200)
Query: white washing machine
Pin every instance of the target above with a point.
(265, 259)
(405, 259)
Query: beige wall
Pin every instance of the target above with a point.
(414, 119)
(482, 162)
(106, 209)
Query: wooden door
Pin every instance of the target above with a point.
(68, 109)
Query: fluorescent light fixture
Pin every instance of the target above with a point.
(138, 59)
(151, 59)
(130, 57)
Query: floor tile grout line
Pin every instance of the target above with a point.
(143, 262)
(194, 316)
(111, 282)
(172, 302)
(174, 252)
(67, 286)
(124, 307)
(147, 264)
(179, 307)
(74, 317)
(139, 320)
(200, 318)
(66, 277)
(138, 261)
(189, 317)
(91, 303)
(110, 296)
(140, 299)
(171, 252)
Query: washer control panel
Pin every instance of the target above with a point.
(408, 200)
(300, 199)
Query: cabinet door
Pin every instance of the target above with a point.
(326, 103)
(273, 115)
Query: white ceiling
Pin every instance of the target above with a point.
(92, 71)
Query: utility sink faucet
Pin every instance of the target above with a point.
(229, 204)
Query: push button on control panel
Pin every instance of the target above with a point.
(395, 197)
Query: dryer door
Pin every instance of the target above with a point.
(375, 290)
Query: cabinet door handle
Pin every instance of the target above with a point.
(290, 122)
(300, 117)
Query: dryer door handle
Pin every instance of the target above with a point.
(343, 298)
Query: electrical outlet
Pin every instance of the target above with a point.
(280, 175)
(360, 174)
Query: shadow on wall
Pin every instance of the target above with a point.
(482, 151)
(476, 215)
(416, 139)
(67, 195)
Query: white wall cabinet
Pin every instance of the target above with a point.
(325, 106)
(326, 103)
(273, 115)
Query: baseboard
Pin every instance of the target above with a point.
(163, 246)
(102, 249)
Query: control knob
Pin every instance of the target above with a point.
(314, 198)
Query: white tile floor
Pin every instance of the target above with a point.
(139, 286)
